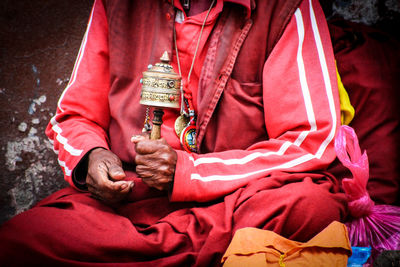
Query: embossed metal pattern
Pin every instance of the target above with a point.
(160, 86)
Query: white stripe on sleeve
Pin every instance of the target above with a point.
(327, 81)
(62, 140)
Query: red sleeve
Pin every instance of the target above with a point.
(301, 116)
(82, 115)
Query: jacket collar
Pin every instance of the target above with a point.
(248, 4)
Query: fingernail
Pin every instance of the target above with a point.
(135, 138)
(119, 173)
(123, 186)
(132, 184)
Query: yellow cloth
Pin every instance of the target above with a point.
(346, 109)
(252, 247)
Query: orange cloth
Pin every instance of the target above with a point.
(255, 247)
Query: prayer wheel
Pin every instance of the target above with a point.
(160, 89)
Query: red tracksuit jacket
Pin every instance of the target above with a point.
(264, 103)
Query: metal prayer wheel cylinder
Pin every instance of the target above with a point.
(161, 85)
(160, 89)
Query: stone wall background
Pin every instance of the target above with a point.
(39, 41)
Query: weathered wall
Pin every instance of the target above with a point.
(38, 44)
(39, 41)
(380, 13)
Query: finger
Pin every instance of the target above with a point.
(102, 182)
(99, 179)
(139, 137)
(166, 170)
(139, 160)
(147, 166)
(149, 146)
(116, 172)
(144, 171)
(125, 186)
(123, 193)
(148, 160)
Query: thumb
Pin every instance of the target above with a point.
(139, 137)
(116, 172)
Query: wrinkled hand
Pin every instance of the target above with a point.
(155, 161)
(105, 177)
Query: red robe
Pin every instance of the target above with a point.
(265, 133)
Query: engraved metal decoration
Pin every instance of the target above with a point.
(160, 89)
(161, 85)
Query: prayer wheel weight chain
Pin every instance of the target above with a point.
(157, 121)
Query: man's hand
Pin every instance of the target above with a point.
(155, 161)
(105, 175)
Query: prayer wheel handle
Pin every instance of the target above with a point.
(157, 121)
